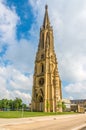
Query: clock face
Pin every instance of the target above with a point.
(41, 81)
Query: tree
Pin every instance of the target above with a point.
(59, 105)
(1, 104)
(5, 104)
(63, 106)
(24, 106)
(11, 104)
(47, 105)
(17, 103)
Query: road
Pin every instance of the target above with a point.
(62, 122)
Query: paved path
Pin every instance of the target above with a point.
(62, 122)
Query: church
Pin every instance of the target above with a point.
(46, 91)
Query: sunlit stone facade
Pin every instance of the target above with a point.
(46, 92)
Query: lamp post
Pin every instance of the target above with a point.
(22, 111)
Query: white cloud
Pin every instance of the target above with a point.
(22, 55)
(15, 78)
(13, 84)
(26, 98)
(8, 21)
(76, 90)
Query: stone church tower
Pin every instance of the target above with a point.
(46, 90)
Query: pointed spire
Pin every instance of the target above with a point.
(46, 22)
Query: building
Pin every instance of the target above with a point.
(67, 104)
(78, 105)
(46, 90)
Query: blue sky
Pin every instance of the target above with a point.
(24, 11)
(20, 22)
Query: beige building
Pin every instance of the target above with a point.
(46, 90)
(67, 104)
(78, 105)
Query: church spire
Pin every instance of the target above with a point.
(46, 80)
(46, 22)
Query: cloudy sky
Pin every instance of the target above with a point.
(20, 22)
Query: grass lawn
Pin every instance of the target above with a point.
(20, 114)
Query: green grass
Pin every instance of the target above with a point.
(19, 114)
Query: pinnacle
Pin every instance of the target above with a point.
(46, 22)
(46, 7)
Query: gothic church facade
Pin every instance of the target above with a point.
(46, 91)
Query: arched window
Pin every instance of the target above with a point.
(42, 45)
(42, 56)
(42, 68)
(47, 40)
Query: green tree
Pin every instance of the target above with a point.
(24, 106)
(1, 104)
(59, 106)
(17, 103)
(11, 104)
(5, 104)
(47, 105)
(63, 106)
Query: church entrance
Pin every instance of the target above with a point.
(40, 104)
